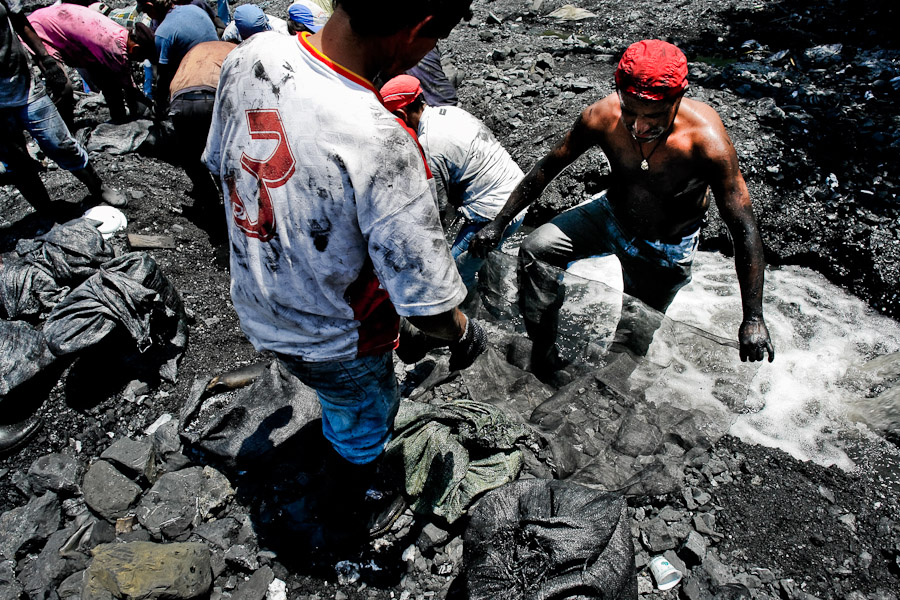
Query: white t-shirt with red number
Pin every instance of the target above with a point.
(332, 218)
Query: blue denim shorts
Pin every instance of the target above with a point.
(359, 399)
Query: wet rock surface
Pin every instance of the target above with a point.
(806, 90)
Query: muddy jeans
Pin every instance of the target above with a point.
(359, 399)
(43, 122)
(652, 271)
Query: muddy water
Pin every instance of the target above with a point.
(835, 358)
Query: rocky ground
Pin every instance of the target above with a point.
(818, 143)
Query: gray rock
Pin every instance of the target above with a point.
(42, 575)
(691, 589)
(732, 591)
(544, 61)
(10, 588)
(134, 457)
(671, 515)
(256, 587)
(693, 550)
(54, 473)
(108, 492)
(765, 575)
(705, 523)
(221, 533)
(165, 438)
(26, 528)
(70, 588)
(655, 536)
(148, 570)
(102, 532)
(719, 573)
(180, 501)
(431, 536)
(243, 557)
(636, 437)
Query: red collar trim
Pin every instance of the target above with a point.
(337, 68)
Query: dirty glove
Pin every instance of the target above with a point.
(754, 339)
(414, 343)
(470, 346)
(58, 84)
(486, 239)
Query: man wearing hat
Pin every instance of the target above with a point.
(303, 17)
(249, 19)
(473, 173)
(666, 152)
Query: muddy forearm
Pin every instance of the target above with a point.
(750, 265)
(528, 190)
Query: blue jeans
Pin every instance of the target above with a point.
(359, 399)
(43, 122)
(652, 271)
(222, 11)
(467, 265)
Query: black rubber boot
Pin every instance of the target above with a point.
(364, 498)
(15, 435)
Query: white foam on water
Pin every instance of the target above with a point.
(801, 401)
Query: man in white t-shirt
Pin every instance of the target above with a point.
(474, 174)
(332, 219)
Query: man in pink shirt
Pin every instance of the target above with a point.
(100, 49)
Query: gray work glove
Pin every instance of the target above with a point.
(470, 346)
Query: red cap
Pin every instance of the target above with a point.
(400, 91)
(652, 70)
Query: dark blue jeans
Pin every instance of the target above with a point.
(359, 399)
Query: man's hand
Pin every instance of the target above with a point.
(58, 84)
(470, 346)
(486, 240)
(755, 341)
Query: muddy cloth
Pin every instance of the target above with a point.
(454, 452)
(23, 354)
(40, 271)
(119, 139)
(248, 424)
(549, 539)
(129, 292)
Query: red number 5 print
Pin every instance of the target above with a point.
(270, 172)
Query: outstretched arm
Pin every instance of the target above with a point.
(733, 201)
(579, 139)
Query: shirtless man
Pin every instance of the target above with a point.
(665, 152)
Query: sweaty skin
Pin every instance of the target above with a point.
(688, 153)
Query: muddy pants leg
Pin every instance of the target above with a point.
(192, 118)
(578, 233)
(24, 169)
(651, 278)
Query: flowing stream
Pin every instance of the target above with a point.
(835, 366)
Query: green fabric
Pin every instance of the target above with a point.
(454, 452)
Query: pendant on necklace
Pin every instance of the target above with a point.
(645, 166)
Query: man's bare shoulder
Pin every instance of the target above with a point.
(705, 128)
(602, 114)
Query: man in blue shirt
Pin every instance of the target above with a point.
(180, 29)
